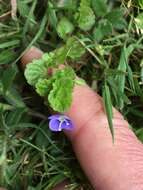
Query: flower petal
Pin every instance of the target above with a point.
(54, 125)
(67, 124)
(56, 116)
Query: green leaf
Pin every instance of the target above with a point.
(116, 18)
(139, 134)
(100, 7)
(8, 77)
(138, 89)
(65, 28)
(66, 4)
(66, 72)
(12, 43)
(31, 188)
(60, 55)
(130, 78)
(141, 74)
(48, 59)
(13, 97)
(121, 78)
(41, 136)
(86, 17)
(43, 86)
(104, 28)
(16, 116)
(5, 107)
(34, 71)
(23, 8)
(56, 57)
(139, 21)
(55, 180)
(31, 20)
(86, 3)
(80, 81)
(52, 15)
(140, 3)
(60, 96)
(108, 108)
(6, 57)
(117, 94)
(75, 48)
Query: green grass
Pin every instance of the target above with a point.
(31, 157)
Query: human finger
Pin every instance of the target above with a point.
(106, 164)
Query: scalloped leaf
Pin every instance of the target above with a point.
(60, 55)
(60, 96)
(34, 71)
(65, 28)
(100, 7)
(48, 59)
(43, 86)
(56, 57)
(86, 16)
(75, 48)
(103, 29)
(116, 18)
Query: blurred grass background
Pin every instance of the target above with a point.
(32, 157)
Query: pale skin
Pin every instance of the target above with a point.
(108, 166)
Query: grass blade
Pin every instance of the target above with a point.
(108, 107)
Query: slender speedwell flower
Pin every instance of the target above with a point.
(59, 122)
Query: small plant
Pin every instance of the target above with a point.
(99, 40)
(55, 87)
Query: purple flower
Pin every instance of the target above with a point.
(59, 122)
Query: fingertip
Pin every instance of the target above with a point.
(30, 54)
(86, 104)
